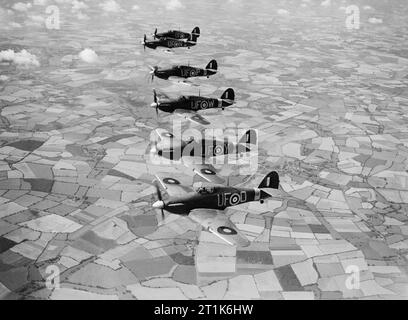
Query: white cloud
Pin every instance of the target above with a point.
(78, 5)
(23, 58)
(3, 78)
(40, 2)
(15, 25)
(88, 55)
(82, 16)
(326, 3)
(135, 7)
(367, 8)
(22, 6)
(283, 12)
(174, 4)
(111, 6)
(375, 20)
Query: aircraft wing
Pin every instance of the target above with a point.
(192, 116)
(203, 171)
(219, 224)
(173, 186)
(162, 95)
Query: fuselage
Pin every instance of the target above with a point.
(168, 43)
(219, 199)
(204, 148)
(173, 34)
(194, 103)
(183, 72)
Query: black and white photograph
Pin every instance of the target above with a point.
(223, 150)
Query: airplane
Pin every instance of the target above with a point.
(189, 105)
(182, 71)
(176, 34)
(205, 203)
(174, 148)
(169, 42)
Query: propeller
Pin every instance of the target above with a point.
(153, 71)
(160, 199)
(144, 42)
(156, 101)
(155, 33)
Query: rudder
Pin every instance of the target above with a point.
(228, 94)
(270, 181)
(212, 65)
(250, 137)
(196, 31)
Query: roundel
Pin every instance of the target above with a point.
(226, 230)
(204, 104)
(192, 73)
(234, 199)
(218, 150)
(207, 171)
(168, 135)
(170, 181)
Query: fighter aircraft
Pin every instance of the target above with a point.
(176, 34)
(169, 42)
(188, 106)
(174, 148)
(182, 71)
(205, 203)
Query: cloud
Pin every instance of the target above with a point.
(326, 3)
(88, 55)
(3, 78)
(283, 12)
(82, 16)
(21, 6)
(111, 6)
(15, 25)
(78, 5)
(174, 4)
(375, 20)
(135, 7)
(40, 2)
(22, 58)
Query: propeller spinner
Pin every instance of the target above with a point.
(160, 203)
(153, 71)
(156, 102)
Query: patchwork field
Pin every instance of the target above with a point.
(330, 106)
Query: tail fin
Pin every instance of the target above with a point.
(196, 31)
(270, 181)
(212, 65)
(228, 94)
(193, 38)
(250, 137)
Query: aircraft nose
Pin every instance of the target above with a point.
(154, 105)
(158, 205)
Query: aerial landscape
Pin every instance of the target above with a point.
(82, 104)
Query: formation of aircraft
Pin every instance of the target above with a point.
(182, 71)
(174, 148)
(205, 203)
(188, 106)
(206, 199)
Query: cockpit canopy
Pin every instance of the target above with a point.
(206, 190)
